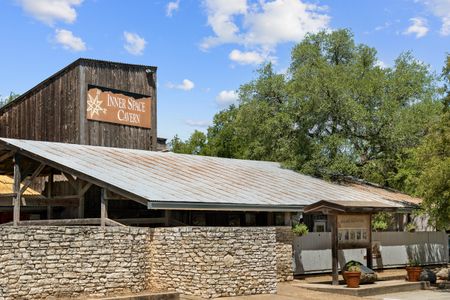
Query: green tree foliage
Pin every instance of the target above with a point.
(12, 96)
(356, 116)
(194, 145)
(337, 113)
(426, 171)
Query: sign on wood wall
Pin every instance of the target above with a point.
(108, 105)
(353, 229)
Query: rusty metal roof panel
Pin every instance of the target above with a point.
(178, 178)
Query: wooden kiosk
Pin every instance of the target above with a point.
(351, 226)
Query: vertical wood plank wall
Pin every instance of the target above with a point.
(55, 109)
(126, 78)
(47, 114)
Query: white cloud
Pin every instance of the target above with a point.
(50, 11)
(419, 27)
(185, 85)
(221, 15)
(198, 123)
(226, 98)
(284, 21)
(134, 44)
(69, 41)
(445, 29)
(381, 64)
(263, 24)
(384, 26)
(441, 9)
(172, 7)
(247, 58)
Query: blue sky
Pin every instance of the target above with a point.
(204, 50)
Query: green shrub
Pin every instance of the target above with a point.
(300, 229)
(354, 268)
(410, 227)
(413, 262)
(379, 225)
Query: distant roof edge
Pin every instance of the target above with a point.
(77, 62)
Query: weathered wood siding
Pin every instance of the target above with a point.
(55, 110)
(121, 77)
(46, 113)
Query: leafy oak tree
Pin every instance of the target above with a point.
(338, 113)
(426, 171)
(356, 116)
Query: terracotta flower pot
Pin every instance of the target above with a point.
(352, 279)
(413, 273)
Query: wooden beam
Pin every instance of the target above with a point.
(369, 259)
(33, 176)
(334, 249)
(287, 219)
(42, 202)
(66, 222)
(7, 155)
(17, 191)
(167, 217)
(84, 189)
(81, 207)
(73, 183)
(141, 221)
(64, 197)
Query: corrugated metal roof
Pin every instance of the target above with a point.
(178, 178)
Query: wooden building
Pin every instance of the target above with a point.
(46, 139)
(89, 102)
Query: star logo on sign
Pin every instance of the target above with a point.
(95, 105)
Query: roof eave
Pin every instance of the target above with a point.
(222, 206)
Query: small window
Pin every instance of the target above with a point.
(320, 226)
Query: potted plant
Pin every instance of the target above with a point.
(300, 229)
(352, 276)
(413, 270)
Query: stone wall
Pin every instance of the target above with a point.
(284, 242)
(214, 261)
(41, 261)
(37, 262)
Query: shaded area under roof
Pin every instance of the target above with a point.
(178, 181)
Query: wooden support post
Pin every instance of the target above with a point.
(287, 219)
(334, 249)
(17, 191)
(167, 217)
(81, 207)
(369, 258)
(49, 196)
(270, 219)
(7, 155)
(103, 208)
(29, 180)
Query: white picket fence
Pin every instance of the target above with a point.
(312, 253)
